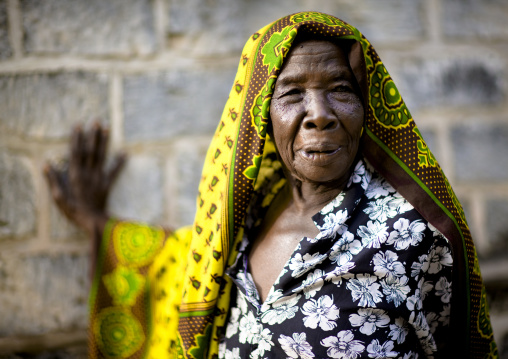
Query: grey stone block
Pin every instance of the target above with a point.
(138, 192)
(222, 26)
(167, 104)
(381, 21)
(5, 47)
(17, 196)
(94, 27)
(484, 19)
(480, 152)
(62, 229)
(47, 105)
(448, 82)
(497, 228)
(43, 293)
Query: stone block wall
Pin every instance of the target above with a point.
(158, 72)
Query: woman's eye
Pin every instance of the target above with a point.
(342, 88)
(291, 92)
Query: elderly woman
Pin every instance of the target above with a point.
(324, 226)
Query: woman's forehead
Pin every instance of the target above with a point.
(310, 45)
(314, 55)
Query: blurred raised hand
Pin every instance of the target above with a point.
(81, 186)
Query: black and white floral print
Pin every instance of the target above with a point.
(375, 283)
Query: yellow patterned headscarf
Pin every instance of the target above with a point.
(159, 295)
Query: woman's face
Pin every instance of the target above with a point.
(316, 113)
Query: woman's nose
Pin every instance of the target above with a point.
(319, 114)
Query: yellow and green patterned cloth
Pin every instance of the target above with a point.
(165, 295)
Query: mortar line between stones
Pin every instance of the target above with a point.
(37, 343)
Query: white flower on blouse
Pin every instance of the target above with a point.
(378, 187)
(387, 265)
(300, 264)
(399, 330)
(232, 354)
(435, 231)
(406, 234)
(433, 321)
(437, 259)
(444, 289)
(373, 235)
(445, 315)
(273, 296)
(333, 223)
(337, 201)
(249, 328)
(233, 324)
(264, 341)
(312, 284)
(222, 349)
(376, 350)
(365, 289)
(367, 177)
(420, 325)
(345, 248)
(401, 203)
(382, 209)
(282, 309)
(241, 302)
(429, 345)
(358, 173)
(320, 312)
(343, 345)
(395, 289)
(250, 286)
(416, 267)
(369, 319)
(297, 346)
(339, 273)
(415, 302)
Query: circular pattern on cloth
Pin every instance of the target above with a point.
(118, 332)
(385, 99)
(136, 245)
(124, 285)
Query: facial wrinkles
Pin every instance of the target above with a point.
(318, 102)
(312, 74)
(303, 66)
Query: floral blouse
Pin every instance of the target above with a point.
(374, 283)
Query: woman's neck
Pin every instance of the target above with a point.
(308, 198)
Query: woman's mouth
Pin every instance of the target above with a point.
(320, 155)
(313, 153)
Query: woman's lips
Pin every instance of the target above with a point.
(320, 155)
